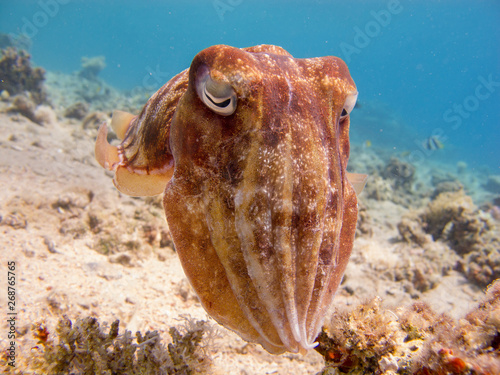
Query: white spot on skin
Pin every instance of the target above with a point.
(289, 92)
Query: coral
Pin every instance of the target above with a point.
(364, 224)
(41, 115)
(18, 76)
(446, 186)
(378, 188)
(461, 167)
(493, 184)
(77, 110)
(402, 173)
(438, 176)
(413, 340)
(64, 90)
(20, 41)
(91, 66)
(453, 218)
(357, 340)
(495, 212)
(6, 41)
(85, 348)
(412, 230)
(394, 182)
(446, 208)
(23, 105)
(45, 115)
(94, 120)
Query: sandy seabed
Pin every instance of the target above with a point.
(83, 249)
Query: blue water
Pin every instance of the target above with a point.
(432, 65)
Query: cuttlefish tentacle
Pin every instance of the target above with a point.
(128, 179)
(142, 162)
(106, 155)
(120, 123)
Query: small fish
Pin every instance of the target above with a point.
(433, 143)
(367, 143)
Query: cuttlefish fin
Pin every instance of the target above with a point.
(105, 154)
(120, 122)
(141, 185)
(358, 181)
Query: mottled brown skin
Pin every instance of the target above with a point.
(259, 205)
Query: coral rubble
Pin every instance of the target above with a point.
(453, 218)
(413, 340)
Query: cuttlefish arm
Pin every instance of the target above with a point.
(142, 162)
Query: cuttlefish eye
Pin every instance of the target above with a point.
(349, 104)
(220, 97)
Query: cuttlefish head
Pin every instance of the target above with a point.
(259, 203)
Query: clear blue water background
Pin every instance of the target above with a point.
(418, 64)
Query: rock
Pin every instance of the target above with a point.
(23, 105)
(51, 247)
(77, 110)
(91, 66)
(45, 115)
(123, 258)
(16, 220)
(4, 95)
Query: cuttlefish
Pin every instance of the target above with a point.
(249, 147)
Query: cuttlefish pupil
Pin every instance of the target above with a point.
(250, 147)
(218, 96)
